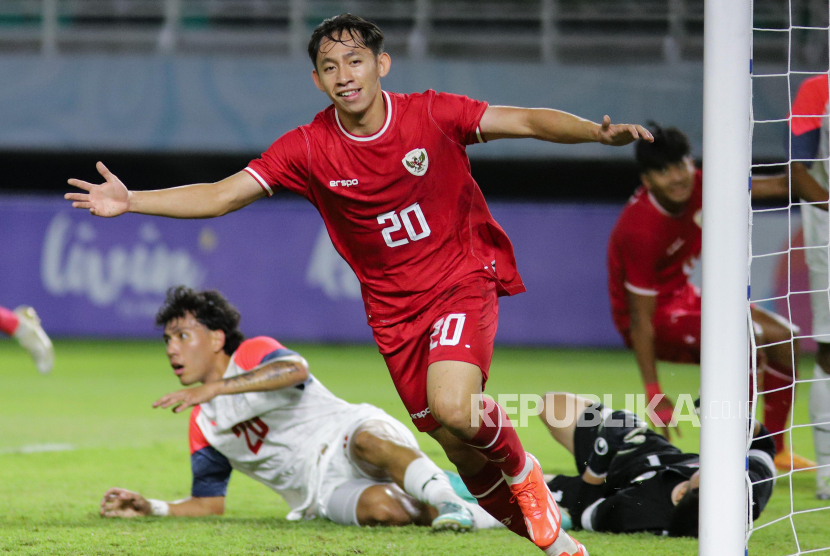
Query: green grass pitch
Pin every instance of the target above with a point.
(96, 405)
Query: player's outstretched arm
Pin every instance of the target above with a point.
(120, 502)
(804, 186)
(274, 375)
(201, 200)
(508, 122)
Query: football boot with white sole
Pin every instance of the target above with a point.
(33, 339)
(453, 517)
(539, 509)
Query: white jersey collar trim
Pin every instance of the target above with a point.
(662, 210)
(377, 135)
(658, 206)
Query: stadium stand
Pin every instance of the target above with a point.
(568, 31)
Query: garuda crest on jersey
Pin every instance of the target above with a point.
(416, 161)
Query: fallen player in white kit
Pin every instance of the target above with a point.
(259, 411)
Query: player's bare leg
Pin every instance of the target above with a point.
(455, 400)
(389, 505)
(781, 353)
(560, 413)
(380, 452)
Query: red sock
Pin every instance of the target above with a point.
(490, 489)
(8, 321)
(497, 440)
(777, 405)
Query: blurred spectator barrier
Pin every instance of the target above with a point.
(571, 31)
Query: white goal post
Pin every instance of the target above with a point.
(724, 365)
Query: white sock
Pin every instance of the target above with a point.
(820, 413)
(425, 482)
(524, 473)
(564, 544)
(482, 519)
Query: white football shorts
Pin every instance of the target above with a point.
(339, 472)
(817, 240)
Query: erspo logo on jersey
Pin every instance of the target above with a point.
(420, 414)
(343, 183)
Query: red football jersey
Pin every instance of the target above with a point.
(652, 252)
(400, 206)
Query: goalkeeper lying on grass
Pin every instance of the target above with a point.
(632, 479)
(258, 410)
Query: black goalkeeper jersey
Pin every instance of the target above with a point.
(641, 469)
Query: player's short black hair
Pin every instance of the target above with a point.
(685, 520)
(208, 307)
(670, 146)
(363, 33)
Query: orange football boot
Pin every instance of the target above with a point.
(540, 511)
(782, 461)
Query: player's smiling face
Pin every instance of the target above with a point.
(349, 74)
(673, 185)
(193, 350)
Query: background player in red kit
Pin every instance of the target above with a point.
(651, 254)
(390, 176)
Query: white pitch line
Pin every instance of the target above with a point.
(37, 448)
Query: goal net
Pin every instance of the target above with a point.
(789, 265)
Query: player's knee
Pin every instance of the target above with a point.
(380, 506)
(555, 407)
(391, 513)
(365, 444)
(561, 410)
(454, 414)
(371, 454)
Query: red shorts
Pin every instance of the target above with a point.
(677, 328)
(458, 326)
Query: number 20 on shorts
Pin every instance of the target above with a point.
(441, 329)
(405, 216)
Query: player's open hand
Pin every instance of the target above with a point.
(120, 502)
(188, 397)
(618, 135)
(108, 199)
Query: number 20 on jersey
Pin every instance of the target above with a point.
(406, 215)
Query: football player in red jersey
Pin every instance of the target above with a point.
(651, 253)
(390, 176)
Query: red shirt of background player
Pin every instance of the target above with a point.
(652, 252)
(400, 206)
